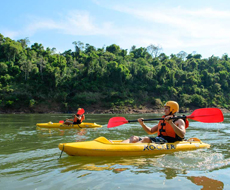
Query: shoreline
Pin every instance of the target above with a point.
(126, 110)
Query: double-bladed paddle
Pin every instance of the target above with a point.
(80, 112)
(205, 115)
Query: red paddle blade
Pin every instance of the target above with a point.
(61, 121)
(81, 111)
(116, 121)
(207, 115)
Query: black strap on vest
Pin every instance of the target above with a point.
(162, 125)
(161, 129)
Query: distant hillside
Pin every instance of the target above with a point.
(39, 80)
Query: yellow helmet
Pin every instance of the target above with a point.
(174, 107)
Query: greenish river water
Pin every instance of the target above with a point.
(29, 157)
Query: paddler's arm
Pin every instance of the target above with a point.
(146, 128)
(70, 119)
(79, 117)
(178, 126)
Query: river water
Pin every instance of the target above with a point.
(29, 157)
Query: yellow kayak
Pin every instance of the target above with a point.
(51, 125)
(104, 147)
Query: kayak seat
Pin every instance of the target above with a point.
(193, 139)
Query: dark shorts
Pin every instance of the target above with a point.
(158, 140)
(78, 122)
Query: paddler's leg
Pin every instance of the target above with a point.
(68, 122)
(132, 139)
(145, 140)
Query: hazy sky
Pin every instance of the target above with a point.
(202, 26)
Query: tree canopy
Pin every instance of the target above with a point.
(108, 76)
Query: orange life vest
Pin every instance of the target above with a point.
(79, 121)
(166, 131)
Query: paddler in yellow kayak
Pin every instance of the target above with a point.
(169, 130)
(78, 118)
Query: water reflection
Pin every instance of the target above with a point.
(206, 182)
(144, 165)
(107, 163)
(171, 173)
(42, 132)
(169, 164)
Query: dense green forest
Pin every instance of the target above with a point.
(109, 77)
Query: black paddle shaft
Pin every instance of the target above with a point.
(178, 117)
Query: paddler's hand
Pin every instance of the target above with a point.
(140, 120)
(78, 117)
(168, 118)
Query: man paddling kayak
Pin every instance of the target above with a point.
(169, 130)
(78, 118)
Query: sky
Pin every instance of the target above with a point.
(192, 26)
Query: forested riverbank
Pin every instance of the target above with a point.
(108, 79)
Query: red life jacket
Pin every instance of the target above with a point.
(166, 131)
